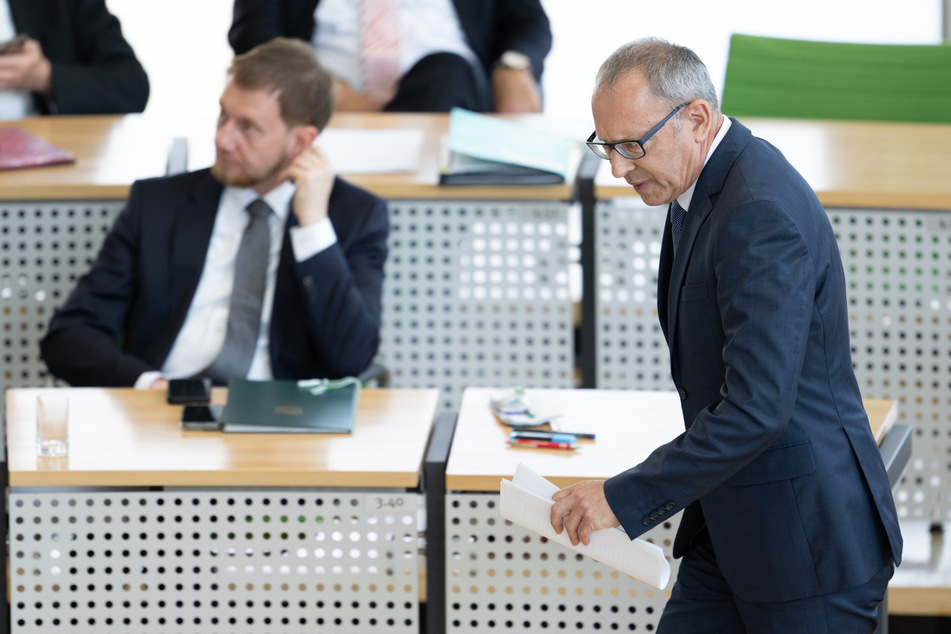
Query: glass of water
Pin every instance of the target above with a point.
(52, 424)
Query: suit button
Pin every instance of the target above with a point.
(654, 515)
(662, 510)
(310, 289)
(647, 521)
(683, 393)
(670, 505)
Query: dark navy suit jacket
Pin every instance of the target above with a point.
(325, 319)
(777, 459)
(94, 69)
(491, 27)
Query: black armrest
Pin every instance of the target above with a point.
(896, 452)
(378, 373)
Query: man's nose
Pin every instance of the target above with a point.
(620, 166)
(224, 136)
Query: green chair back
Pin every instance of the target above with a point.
(769, 77)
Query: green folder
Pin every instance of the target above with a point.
(289, 407)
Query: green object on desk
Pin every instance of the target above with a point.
(290, 406)
(774, 77)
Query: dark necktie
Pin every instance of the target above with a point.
(677, 215)
(247, 296)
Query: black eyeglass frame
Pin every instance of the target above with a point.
(603, 150)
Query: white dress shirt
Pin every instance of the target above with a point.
(203, 332)
(426, 27)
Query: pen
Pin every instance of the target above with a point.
(557, 436)
(539, 444)
(576, 434)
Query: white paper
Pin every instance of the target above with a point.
(360, 151)
(526, 501)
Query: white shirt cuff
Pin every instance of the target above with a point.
(146, 379)
(310, 240)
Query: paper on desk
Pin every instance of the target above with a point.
(526, 501)
(359, 151)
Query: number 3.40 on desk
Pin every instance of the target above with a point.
(389, 503)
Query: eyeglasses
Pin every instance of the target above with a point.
(629, 149)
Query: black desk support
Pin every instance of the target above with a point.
(434, 483)
(588, 335)
(4, 482)
(896, 453)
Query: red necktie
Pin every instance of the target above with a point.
(380, 32)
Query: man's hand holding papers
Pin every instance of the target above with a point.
(526, 500)
(582, 509)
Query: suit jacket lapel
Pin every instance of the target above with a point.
(188, 249)
(283, 288)
(709, 185)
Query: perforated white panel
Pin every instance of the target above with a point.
(501, 577)
(476, 294)
(898, 270)
(213, 561)
(632, 352)
(44, 247)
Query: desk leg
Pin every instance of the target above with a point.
(589, 322)
(4, 481)
(434, 482)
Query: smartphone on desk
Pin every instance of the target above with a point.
(201, 417)
(188, 391)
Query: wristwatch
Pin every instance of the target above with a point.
(515, 60)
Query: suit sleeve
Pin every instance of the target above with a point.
(343, 286)
(523, 26)
(255, 22)
(81, 345)
(101, 74)
(758, 307)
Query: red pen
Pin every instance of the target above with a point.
(539, 444)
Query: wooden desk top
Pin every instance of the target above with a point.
(852, 164)
(423, 183)
(126, 437)
(637, 421)
(111, 152)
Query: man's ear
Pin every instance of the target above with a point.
(303, 138)
(699, 116)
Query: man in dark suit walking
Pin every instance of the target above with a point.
(265, 266)
(789, 523)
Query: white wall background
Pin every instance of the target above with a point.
(183, 43)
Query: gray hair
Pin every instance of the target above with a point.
(674, 73)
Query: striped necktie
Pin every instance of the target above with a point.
(380, 47)
(677, 215)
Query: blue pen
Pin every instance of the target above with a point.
(543, 435)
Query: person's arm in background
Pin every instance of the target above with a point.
(255, 22)
(522, 26)
(91, 67)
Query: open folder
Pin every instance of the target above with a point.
(289, 407)
(526, 501)
(486, 150)
(19, 148)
